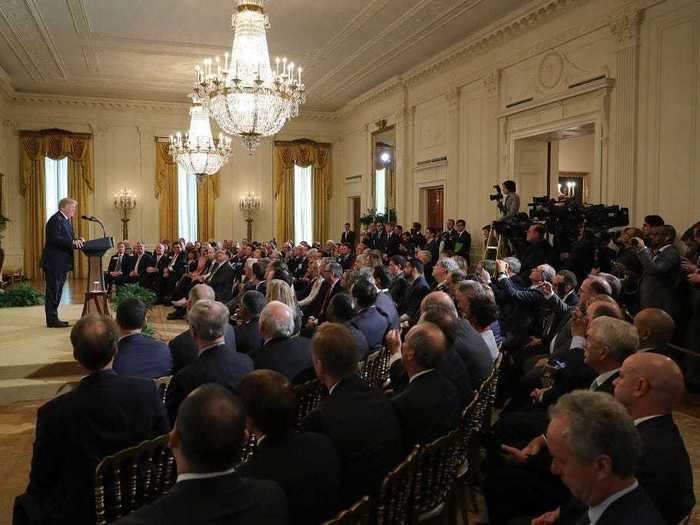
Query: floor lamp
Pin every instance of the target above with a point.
(124, 202)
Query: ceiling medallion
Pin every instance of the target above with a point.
(244, 95)
(197, 151)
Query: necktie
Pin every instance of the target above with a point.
(136, 268)
(118, 267)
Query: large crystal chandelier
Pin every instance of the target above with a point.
(198, 152)
(244, 95)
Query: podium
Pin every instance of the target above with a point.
(96, 296)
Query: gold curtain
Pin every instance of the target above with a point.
(207, 193)
(166, 191)
(303, 153)
(55, 144)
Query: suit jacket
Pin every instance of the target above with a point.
(386, 306)
(218, 364)
(348, 237)
(346, 262)
(179, 265)
(451, 367)
(126, 260)
(184, 351)
(473, 350)
(536, 253)
(248, 337)
(57, 256)
(664, 468)
(393, 242)
(398, 289)
(223, 499)
(659, 285)
(380, 241)
(140, 265)
(634, 508)
(103, 415)
(428, 408)
(462, 244)
(360, 340)
(221, 280)
(140, 356)
(307, 468)
(414, 295)
(365, 431)
(287, 355)
(433, 246)
(372, 324)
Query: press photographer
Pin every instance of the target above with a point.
(509, 206)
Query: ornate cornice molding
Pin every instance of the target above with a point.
(98, 103)
(625, 27)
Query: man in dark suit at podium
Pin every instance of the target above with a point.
(57, 258)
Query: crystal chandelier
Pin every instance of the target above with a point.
(198, 152)
(244, 95)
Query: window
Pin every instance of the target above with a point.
(380, 190)
(56, 183)
(303, 221)
(186, 204)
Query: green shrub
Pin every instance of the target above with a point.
(21, 295)
(134, 291)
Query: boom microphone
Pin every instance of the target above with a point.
(87, 217)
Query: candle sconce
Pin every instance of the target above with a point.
(124, 202)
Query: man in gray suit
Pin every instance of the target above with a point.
(662, 269)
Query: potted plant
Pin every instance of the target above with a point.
(371, 216)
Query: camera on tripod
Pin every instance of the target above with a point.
(498, 195)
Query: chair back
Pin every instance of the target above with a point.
(249, 448)
(486, 397)
(133, 477)
(467, 423)
(309, 395)
(375, 369)
(391, 505)
(163, 383)
(436, 470)
(358, 514)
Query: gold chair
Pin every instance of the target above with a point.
(309, 395)
(133, 477)
(358, 514)
(391, 504)
(464, 462)
(163, 383)
(375, 369)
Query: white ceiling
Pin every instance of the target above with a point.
(147, 49)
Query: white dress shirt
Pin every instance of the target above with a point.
(204, 475)
(602, 378)
(595, 513)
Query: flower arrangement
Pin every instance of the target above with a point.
(371, 216)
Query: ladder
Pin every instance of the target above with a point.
(492, 251)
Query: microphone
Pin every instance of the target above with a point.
(87, 217)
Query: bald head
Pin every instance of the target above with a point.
(276, 320)
(424, 347)
(649, 384)
(600, 308)
(438, 301)
(655, 327)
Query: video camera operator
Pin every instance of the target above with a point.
(537, 251)
(510, 206)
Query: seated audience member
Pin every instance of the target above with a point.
(280, 290)
(429, 405)
(595, 449)
(174, 270)
(153, 276)
(468, 344)
(206, 442)
(359, 420)
(215, 363)
(304, 464)
(441, 272)
(483, 312)
(656, 330)
(368, 319)
(141, 260)
(138, 355)
(340, 310)
(409, 307)
(399, 284)
(248, 337)
(183, 347)
(385, 302)
(565, 283)
(282, 352)
(119, 267)
(221, 277)
(104, 414)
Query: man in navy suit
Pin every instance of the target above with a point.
(104, 414)
(141, 261)
(57, 258)
(216, 362)
(368, 320)
(138, 355)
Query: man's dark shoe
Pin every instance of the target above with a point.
(58, 324)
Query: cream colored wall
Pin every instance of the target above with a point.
(576, 154)
(644, 107)
(124, 156)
